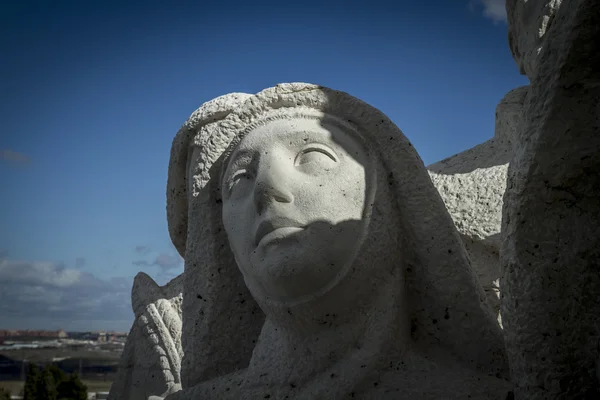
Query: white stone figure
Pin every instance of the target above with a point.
(359, 284)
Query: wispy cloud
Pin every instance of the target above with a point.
(492, 9)
(164, 261)
(142, 249)
(167, 261)
(170, 264)
(14, 157)
(46, 295)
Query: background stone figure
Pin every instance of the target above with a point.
(551, 251)
(472, 185)
(151, 360)
(448, 318)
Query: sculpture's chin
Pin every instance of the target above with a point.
(296, 265)
(291, 273)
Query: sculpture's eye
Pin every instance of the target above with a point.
(239, 179)
(316, 157)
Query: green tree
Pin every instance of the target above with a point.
(31, 383)
(72, 388)
(52, 383)
(57, 374)
(46, 387)
(4, 394)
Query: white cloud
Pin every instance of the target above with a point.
(38, 273)
(142, 249)
(164, 261)
(492, 9)
(45, 295)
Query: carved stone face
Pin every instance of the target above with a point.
(294, 196)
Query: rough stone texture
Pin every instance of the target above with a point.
(472, 171)
(178, 183)
(206, 335)
(151, 360)
(551, 252)
(472, 185)
(529, 22)
(425, 327)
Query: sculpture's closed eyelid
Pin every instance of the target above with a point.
(320, 148)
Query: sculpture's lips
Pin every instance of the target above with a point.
(275, 227)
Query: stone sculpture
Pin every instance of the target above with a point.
(551, 252)
(375, 299)
(153, 360)
(286, 296)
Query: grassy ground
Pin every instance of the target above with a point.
(94, 382)
(45, 355)
(93, 386)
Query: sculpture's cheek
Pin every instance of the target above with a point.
(238, 221)
(333, 198)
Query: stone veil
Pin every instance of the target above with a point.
(151, 360)
(426, 329)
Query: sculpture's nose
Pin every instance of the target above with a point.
(271, 186)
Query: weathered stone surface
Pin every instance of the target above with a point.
(179, 183)
(551, 251)
(390, 310)
(206, 336)
(472, 185)
(529, 22)
(472, 174)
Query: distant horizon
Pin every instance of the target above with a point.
(64, 330)
(95, 92)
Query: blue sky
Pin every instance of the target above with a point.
(93, 93)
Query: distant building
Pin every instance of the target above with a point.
(32, 334)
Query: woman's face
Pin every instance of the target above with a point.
(294, 197)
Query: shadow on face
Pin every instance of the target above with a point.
(294, 204)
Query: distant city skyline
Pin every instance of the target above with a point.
(94, 93)
(46, 332)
